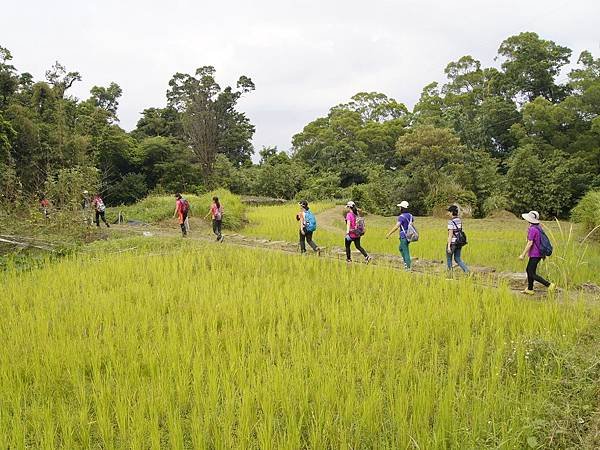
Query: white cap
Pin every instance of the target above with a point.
(403, 204)
(85, 192)
(351, 204)
(531, 217)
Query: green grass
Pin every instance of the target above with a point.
(492, 243)
(220, 347)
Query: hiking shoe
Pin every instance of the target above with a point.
(319, 251)
(348, 261)
(222, 239)
(528, 292)
(552, 288)
(368, 259)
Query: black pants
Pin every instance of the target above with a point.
(531, 273)
(217, 228)
(307, 237)
(101, 214)
(357, 245)
(182, 224)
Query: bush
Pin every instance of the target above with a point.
(587, 212)
(154, 208)
(234, 209)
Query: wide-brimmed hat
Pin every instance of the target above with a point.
(403, 204)
(350, 204)
(531, 217)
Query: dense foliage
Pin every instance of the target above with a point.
(518, 136)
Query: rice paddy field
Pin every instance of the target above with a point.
(138, 343)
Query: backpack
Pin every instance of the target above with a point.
(411, 233)
(361, 229)
(545, 244)
(185, 206)
(310, 221)
(219, 213)
(461, 236)
(100, 205)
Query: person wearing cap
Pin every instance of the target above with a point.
(86, 206)
(452, 249)
(352, 234)
(533, 250)
(404, 219)
(305, 235)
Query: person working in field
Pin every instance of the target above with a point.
(355, 228)
(537, 249)
(407, 231)
(216, 212)
(182, 208)
(100, 210)
(456, 239)
(308, 225)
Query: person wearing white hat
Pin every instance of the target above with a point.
(533, 250)
(354, 230)
(404, 220)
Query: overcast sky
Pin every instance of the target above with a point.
(303, 56)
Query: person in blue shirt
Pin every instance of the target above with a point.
(404, 219)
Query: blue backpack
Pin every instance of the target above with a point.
(310, 221)
(545, 244)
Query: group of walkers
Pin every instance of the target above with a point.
(182, 209)
(537, 248)
(95, 204)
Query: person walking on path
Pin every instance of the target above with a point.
(404, 220)
(216, 212)
(86, 206)
(354, 232)
(308, 225)
(454, 245)
(182, 208)
(533, 250)
(100, 210)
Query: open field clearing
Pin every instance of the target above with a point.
(493, 243)
(213, 346)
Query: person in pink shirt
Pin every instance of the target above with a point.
(353, 232)
(533, 250)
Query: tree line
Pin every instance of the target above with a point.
(519, 136)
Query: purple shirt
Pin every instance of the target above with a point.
(403, 220)
(351, 219)
(533, 234)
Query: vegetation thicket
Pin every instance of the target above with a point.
(221, 347)
(514, 136)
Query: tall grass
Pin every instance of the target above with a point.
(219, 347)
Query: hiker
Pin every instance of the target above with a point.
(308, 225)
(533, 248)
(86, 206)
(182, 208)
(216, 212)
(354, 230)
(100, 209)
(456, 239)
(405, 220)
(45, 206)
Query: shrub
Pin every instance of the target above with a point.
(587, 211)
(234, 209)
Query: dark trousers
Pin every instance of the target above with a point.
(182, 224)
(101, 214)
(356, 241)
(531, 273)
(217, 228)
(307, 237)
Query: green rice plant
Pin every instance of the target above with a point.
(570, 256)
(587, 211)
(212, 346)
(234, 209)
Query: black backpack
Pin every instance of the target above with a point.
(461, 236)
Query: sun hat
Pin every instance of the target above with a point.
(531, 217)
(403, 204)
(351, 204)
(85, 192)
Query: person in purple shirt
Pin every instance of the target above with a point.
(532, 249)
(404, 219)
